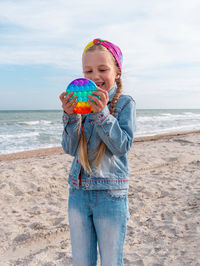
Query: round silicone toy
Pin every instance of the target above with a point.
(82, 88)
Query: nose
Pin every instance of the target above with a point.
(95, 75)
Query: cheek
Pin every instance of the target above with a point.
(87, 76)
(111, 80)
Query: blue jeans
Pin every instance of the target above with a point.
(97, 216)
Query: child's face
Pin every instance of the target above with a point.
(99, 66)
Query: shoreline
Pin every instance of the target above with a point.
(59, 150)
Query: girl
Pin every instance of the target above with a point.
(99, 142)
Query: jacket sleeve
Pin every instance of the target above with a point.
(70, 138)
(117, 133)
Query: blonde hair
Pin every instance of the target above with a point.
(101, 148)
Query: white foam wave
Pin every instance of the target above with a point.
(157, 131)
(13, 149)
(20, 135)
(36, 122)
(169, 117)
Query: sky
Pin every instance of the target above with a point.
(41, 43)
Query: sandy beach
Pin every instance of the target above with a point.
(164, 202)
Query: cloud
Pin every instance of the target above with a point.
(43, 16)
(160, 39)
(151, 34)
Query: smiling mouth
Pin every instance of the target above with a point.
(100, 84)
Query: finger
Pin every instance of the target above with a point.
(70, 104)
(98, 93)
(68, 108)
(93, 98)
(102, 90)
(98, 105)
(72, 101)
(96, 108)
(101, 93)
(69, 96)
(62, 95)
(93, 105)
(102, 101)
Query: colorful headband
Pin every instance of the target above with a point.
(114, 49)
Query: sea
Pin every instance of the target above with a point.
(38, 129)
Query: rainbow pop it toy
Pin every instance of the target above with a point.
(82, 88)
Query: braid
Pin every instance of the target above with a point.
(116, 97)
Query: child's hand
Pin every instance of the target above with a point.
(98, 104)
(68, 106)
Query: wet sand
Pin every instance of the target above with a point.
(164, 202)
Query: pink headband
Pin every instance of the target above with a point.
(114, 49)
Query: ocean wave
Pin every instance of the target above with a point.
(36, 122)
(13, 149)
(169, 117)
(157, 131)
(19, 135)
(23, 132)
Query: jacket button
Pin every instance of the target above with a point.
(87, 185)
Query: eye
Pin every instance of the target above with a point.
(88, 71)
(102, 70)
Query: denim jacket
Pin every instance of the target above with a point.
(116, 132)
